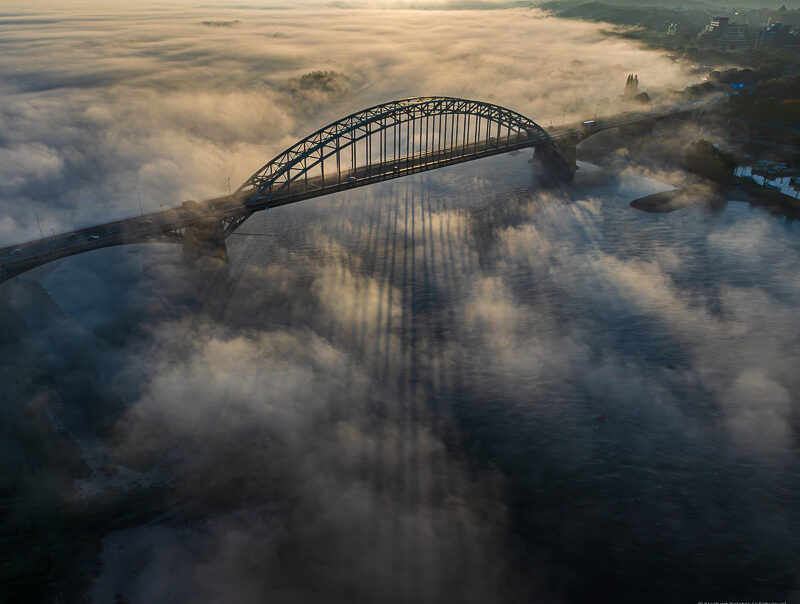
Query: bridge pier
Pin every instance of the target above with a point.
(556, 162)
(205, 240)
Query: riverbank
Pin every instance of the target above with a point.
(771, 200)
(707, 195)
(714, 197)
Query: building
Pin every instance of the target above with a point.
(631, 87)
(723, 34)
(774, 34)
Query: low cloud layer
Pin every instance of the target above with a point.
(98, 108)
(388, 395)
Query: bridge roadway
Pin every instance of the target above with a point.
(629, 118)
(169, 224)
(165, 225)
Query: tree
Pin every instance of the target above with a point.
(703, 158)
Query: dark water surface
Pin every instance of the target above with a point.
(389, 397)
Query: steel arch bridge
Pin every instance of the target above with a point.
(382, 142)
(385, 141)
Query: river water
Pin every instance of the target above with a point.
(389, 395)
(426, 359)
(788, 185)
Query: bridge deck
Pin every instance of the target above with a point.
(164, 226)
(168, 224)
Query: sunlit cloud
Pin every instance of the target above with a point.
(387, 395)
(99, 108)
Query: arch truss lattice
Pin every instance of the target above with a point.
(387, 141)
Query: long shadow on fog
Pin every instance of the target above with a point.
(623, 514)
(483, 474)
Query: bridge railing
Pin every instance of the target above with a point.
(390, 133)
(381, 142)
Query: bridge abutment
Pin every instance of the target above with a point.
(205, 240)
(556, 162)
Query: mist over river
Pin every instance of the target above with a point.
(394, 394)
(389, 396)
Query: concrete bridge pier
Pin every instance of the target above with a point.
(205, 240)
(556, 163)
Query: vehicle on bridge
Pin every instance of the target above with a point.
(382, 142)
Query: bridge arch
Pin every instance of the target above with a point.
(455, 130)
(382, 142)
